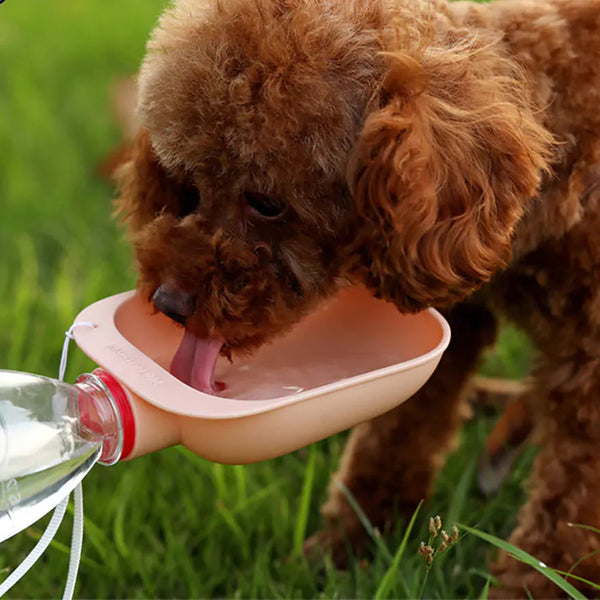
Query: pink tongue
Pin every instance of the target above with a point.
(194, 363)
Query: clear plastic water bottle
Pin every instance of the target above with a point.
(51, 434)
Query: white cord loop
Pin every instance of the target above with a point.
(77, 535)
(65, 350)
(59, 512)
(76, 543)
(39, 548)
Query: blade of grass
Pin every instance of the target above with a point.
(460, 494)
(218, 472)
(582, 526)
(594, 553)
(235, 528)
(119, 519)
(63, 548)
(101, 543)
(486, 589)
(526, 558)
(304, 508)
(373, 533)
(24, 300)
(240, 479)
(386, 582)
(64, 294)
(576, 577)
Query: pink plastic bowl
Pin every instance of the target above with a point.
(352, 360)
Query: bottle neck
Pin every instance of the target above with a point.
(103, 409)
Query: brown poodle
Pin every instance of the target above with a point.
(442, 155)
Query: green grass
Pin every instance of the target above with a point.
(170, 524)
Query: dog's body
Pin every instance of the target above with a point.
(441, 154)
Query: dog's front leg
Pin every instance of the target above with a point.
(389, 463)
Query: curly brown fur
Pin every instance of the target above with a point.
(433, 152)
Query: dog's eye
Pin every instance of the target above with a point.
(266, 207)
(188, 200)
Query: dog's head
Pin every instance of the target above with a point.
(290, 147)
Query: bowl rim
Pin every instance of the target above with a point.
(110, 349)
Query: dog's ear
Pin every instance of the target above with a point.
(441, 173)
(145, 187)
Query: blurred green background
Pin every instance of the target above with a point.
(171, 524)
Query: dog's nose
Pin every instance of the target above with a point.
(174, 302)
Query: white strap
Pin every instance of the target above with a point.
(39, 548)
(76, 543)
(59, 513)
(65, 350)
(77, 535)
